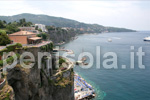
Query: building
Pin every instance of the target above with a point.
(30, 29)
(25, 37)
(26, 28)
(42, 27)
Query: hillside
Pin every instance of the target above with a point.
(63, 22)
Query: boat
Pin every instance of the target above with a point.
(78, 62)
(147, 38)
(85, 63)
(83, 59)
(109, 40)
(70, 51)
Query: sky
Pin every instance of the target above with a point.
(132, 14)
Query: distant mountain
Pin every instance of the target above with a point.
(63, 22)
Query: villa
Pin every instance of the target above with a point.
(25, 37)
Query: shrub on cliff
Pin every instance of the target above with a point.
(12, 47)
(43, 35)
(61, 60)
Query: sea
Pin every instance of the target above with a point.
(116, 83)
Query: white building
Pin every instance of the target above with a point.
(42, 27)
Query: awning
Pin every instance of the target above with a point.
(35, 38)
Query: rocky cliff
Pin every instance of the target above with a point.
(35, 84)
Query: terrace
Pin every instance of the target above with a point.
(38, 44)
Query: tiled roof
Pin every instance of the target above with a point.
(23, 33)
(26, 27)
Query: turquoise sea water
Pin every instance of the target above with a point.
(116, 84)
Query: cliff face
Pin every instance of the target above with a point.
(37, 84)
(33, 84)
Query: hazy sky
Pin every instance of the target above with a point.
(133, 14)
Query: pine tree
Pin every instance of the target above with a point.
(4, 39)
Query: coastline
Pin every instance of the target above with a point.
(88, 92)
(82, 89)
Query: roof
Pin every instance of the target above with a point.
(35, 38)
(26, 27)
(23, 33)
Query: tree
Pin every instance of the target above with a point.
(2, 24)
(4, 39)
(36, 27)
(12, 28)
(29, 23)
(43, 35)
(22, 22)
(40, 30)
(39, 35)
(61, 60)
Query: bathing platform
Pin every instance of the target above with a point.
(82, 90)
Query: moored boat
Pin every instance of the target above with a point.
(109, 40)
(147, 38)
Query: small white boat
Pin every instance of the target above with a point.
(110, 40)
(147, 38)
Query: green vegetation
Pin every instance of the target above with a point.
(9, 60)
(4, 39)
(22, 22)
(6, 93)
(9, 49)
(43, 35)
(50, 82)
(7, 96)
(12, 27)
(62, 81)
(51, 46)
(40, 30)
(61, 61)
(12, 47)
(2, 75)
(47, 47)
(3, 50)
(25, 48)
(36, 27)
